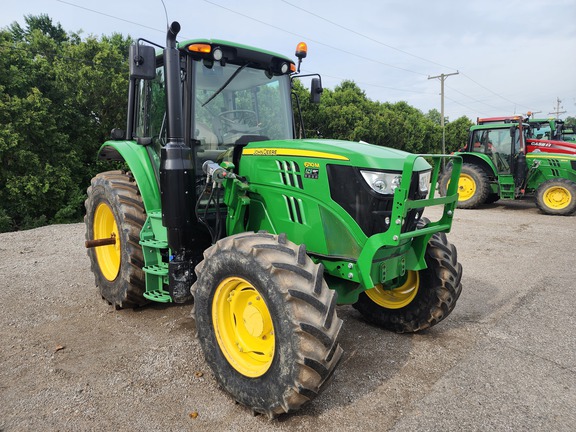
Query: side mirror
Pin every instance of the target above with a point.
(142, 60)
(117, 134)
(512, 131)
(316, 90)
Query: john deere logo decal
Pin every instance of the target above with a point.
(291, 153)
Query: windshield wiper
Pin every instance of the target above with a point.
(228, 81)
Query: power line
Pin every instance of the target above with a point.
(493, 92)
(111, 16)
(395, 48)
(371, 84)
(340, 50)
(364, 36)
(470, 97)
(465, 106)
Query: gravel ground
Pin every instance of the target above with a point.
(504, 360)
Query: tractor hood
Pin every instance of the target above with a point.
(359, 154)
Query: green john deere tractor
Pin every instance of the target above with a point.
(503, 161)
(267, 233)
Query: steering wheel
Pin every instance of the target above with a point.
(239, 120)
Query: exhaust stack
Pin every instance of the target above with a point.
(177, 185)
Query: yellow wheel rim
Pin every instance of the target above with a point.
(466, 187)
(108, 256)
(243, 327)
(557, 197)
(398, 297)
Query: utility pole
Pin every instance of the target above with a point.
(442, 78)
(558, 107)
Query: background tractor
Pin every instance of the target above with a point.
(550, 136)
(502, 161)
(552, 129)
(267, 233)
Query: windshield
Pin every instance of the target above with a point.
(237, 105)
(497, 144)
(542, 132)
(492, 140)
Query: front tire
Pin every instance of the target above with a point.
(114, 207)
(266, 321)
(557, 197)
(423, 299)
(473, 186)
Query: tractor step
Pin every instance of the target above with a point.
(507, 187)
(155, 276)
(160, 269)
(153, 243)
(159, 296)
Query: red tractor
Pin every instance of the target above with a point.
(549, 136)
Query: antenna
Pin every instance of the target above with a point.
(165, 13)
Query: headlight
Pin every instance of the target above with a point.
(424, 182)
(381, 182)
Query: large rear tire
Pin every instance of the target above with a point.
(266, 321)
(473, 186)
(424, 298)
(557, 197)
(114, 207)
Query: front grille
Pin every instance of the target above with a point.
(370, 210)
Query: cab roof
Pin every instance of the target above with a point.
(235, 53)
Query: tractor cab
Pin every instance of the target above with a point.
(501, 145)
(546, 128)
(231, 94)
(502, 141)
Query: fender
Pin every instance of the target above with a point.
(139, 161)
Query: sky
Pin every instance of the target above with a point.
(511, 57)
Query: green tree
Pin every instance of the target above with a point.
(435, 116)
(347, 113)
(456, 133)
(58, 101)
(41, 23)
